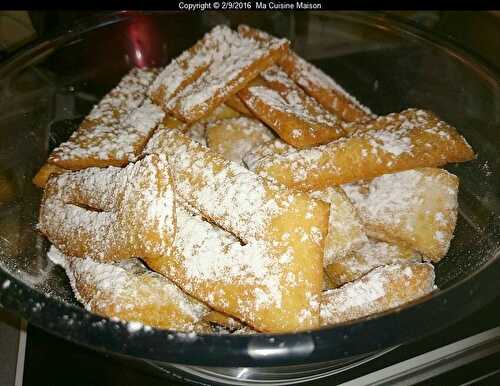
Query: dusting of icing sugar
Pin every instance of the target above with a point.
(126, 286)
(439, 216)
(390, 142)
(345, 230)
(409, 205)
(370, 255)
(440, 236)
(368, 295)
(297, 100)
(139, 196)
(117, 127)
(254, 156)
(225, 55)
(385, 196)
(310, 77)
(391, 146)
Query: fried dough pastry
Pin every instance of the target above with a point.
(233, 138)
(283, 231)
(362, 260)
(417, 208)
(129, 291)
(216, 67)
(116, 130)
(315, 82)
(231, 196)
(346, 233)
(349, 253)
(113, 213)
(197, 130)
(324, 89)
(406, 140)
(296, 117)
(383, 288)
(253, 282)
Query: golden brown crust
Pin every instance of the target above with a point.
(383, 288)
(234, 137)
(323, 88)
(372, 254)
(346, 233)
(111, 214)
(223, 320)
(201, 79)
(131, 292)
(237, 104)
(297, 118)
(406, 140)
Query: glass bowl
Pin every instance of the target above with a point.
(47, 88)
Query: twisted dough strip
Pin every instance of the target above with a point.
(296, 117)
(116, 130)
(111, 214)
(215, 68)
(396, 142)
(129, 291)
(315, 82)
(283, 229)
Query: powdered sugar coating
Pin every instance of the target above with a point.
(211, 254)
(322, 87)
(260, 214)
(111, 213)
(116, 129)
(226, 61)
(410, 139)
(129, 290)
(417, 207)
(382, 289)
(296, 117)
(276, 146)
(225, 191)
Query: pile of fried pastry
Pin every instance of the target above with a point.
(240, 189)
